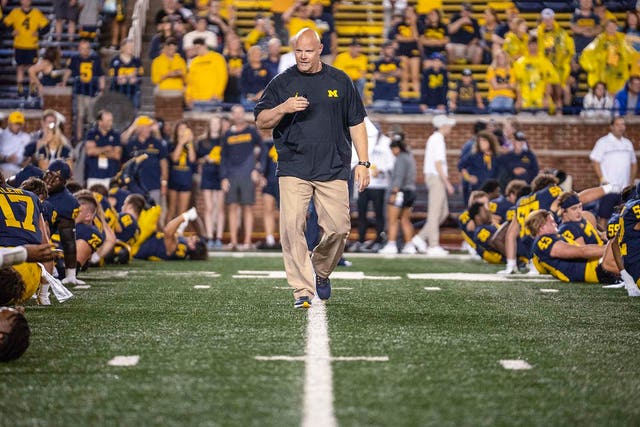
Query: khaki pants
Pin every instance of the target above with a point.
(437, 210)
(331, 199)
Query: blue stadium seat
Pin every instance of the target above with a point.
(530, 6)
(560, 6)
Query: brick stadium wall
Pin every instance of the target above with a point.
(558, 142)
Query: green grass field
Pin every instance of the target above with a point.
(197, 350)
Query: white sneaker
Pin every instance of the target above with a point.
(43, 295)
(437, 251)
(533, 271)
(419, 244)
(191, 214)
(409, 248)
(513, 270)
(389, 249)
(630, 284)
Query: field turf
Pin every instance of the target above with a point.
(197, 350)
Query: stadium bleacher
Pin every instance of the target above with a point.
(9, 98)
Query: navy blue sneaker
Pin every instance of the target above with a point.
(302, 302)
(323, 287)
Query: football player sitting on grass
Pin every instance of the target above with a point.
(171, 245)
(564, 259)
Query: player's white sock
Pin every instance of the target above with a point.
(70, 277)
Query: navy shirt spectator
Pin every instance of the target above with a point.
(519, 163)
(434, 84)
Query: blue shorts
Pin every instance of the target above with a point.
(209, 182)
(607, 203)
(273, 189)
(26, 56)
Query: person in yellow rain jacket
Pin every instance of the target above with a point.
(534, 75)
(608, 58)
(558, 47)
(515, 42)
(207, 75)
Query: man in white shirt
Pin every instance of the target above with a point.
(436, 178)
(615, 163)
(200, 32)
(12, 143)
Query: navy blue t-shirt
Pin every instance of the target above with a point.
(86, 72)
(107, 168)
(150, 168)
(314, 144)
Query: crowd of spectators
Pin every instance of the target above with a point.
(529, 69)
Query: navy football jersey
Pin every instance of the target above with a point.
(503, 208)
(153, 249)
(90, 234)
(129, 229)
(481, 238)
(463, 222)
(629, 239)
(567, 270)
(60, 205)
(542, 199)
(613, 225)
(19, 217)
(573, 230)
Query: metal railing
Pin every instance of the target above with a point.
(138, 20)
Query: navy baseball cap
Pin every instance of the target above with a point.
(438, 55)
(62, 167)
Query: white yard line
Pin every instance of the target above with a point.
(549, 291)
(124, 361)
(515, 364)
(318, 383)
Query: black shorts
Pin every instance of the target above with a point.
(62, 10)
(26, 56)
(606, 277)
(241, 191)
(607, 203)
(409, 49)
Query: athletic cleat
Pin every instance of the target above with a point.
(302, 302)
(323, 287)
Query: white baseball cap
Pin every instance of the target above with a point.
(547, 13)
(442, 120)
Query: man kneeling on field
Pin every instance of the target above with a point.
(564, 259)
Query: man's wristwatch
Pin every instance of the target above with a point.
(366, 164)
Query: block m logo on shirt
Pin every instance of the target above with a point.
(332, 93)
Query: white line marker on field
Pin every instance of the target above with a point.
(280, 274)
(82, 287)
(124, 361)
(339, 288)
(470, 277)
(432, 288)
(201, 287)
(318, 383)
(515, 364)
(331, 359)
(549, 291)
